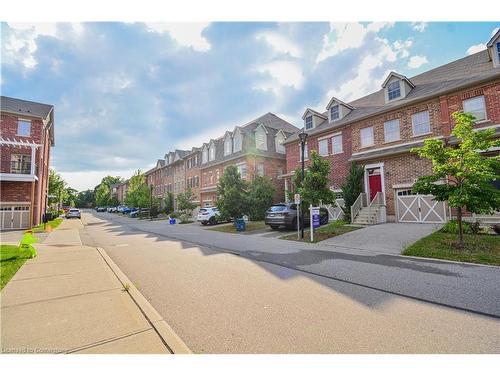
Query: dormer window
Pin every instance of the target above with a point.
(334, 112)
(279, 139)
(309, 122)
(494, 49)
(394, 90)
(498, 51)
(228, 145)
(211, 152)
(237, 141)
(204, 155)
(261, 138)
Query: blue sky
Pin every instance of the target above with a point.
(126, 93)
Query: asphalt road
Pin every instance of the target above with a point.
(284, 297)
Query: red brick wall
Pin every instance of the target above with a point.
(15, 191)
(193, 172)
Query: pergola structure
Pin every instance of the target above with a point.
(20, 143)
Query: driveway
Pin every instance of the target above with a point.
(390, 238)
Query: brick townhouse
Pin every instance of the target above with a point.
(26, 136)
(377, 131)
(121, 191)
(255, 148)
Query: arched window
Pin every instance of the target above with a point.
(237, 141)
(228, 145)
(261, 139)
(279, 139)
(204, 155)
(211, 152)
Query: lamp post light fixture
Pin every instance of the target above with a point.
(303, 138)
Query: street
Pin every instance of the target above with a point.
(224, 293)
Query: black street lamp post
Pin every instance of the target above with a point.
(151, 202)
(303, 138)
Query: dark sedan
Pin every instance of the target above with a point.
(285, 215)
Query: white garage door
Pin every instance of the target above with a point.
(417, 208)
(14, 217)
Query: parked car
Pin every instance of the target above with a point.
(208, 215)
(285, 215)
(126, 210)
(111, 209)
(73, 212)
(101, 209)
(120, 208)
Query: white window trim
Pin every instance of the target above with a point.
(319, 148)
(361, 137)
(484, 104)
(341, 144)
(280, 148)
(382, 174)
(23, 120)
(413, 126)
(399, 131)
(312, 122)
(261, 132)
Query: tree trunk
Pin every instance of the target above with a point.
(460, 228)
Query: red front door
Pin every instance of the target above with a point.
(374, 184)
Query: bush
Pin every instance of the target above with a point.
(452, 227)
(185, 218)
(174, 215)
(475, 227)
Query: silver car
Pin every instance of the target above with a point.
(73, 212)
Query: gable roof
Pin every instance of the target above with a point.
(314, 113)
(467, 71)
(397, 75)
(493, 39)
(25, 107)
(335, 100)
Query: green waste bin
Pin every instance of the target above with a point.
(240, 225)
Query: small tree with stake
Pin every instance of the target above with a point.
(232, 196)
(260, 197)
(462, 176)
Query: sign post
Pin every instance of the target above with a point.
(297, 202)
(314, 220)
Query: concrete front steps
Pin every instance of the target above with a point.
(367, 216)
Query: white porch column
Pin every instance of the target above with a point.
(286, 190)
(33, 153)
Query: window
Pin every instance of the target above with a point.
(393, 90)
(306, 152)
(279, 139)
(228, 146)
(498, 50)
(204, 155)
(20, 163)
(323, 147)
(242, 170)
(367, 137)
(421, 123)
(261, 139)
(475, 106)
(334, 112)
(337, 144)
(211, 152)
(24, 128)
(309, 122)
(391, 131)
(237, 141)
(260, 169)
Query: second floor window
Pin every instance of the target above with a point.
(309, 122)
(242, 170)
(421, 123)
(323, 147)
(476, 107)
(393, 90)
(391, 131)
(337, 144)
(260, 169)
(20, 163)
(334, 112)
(367, 137)
(24, 128)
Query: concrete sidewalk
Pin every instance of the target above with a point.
(70, 300)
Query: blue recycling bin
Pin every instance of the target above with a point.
(240, 225)
(171, 220)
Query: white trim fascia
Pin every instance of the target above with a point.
(403, 186)
(394, 146)
(495, 126)
(18, 177)
(14, 203)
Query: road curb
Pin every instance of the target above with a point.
(166, 333)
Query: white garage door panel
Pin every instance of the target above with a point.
(420, 209)
(14, 217)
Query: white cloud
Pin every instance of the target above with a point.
(283, 75)
(367, 78)
(476, 48)
(20, 44)
(88, 179)
(417, 61)
(419, 26)
(343, 36)
(280, 43)
(186, 34)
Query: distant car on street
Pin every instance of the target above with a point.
(285, 215)
(73, 212)
(208, 215)
(101, 209)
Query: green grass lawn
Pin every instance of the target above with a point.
(330, 230)
(53, 223)
(11, 259)
(229, 228)
(479, 248)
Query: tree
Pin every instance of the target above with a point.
(352, 187)
(186, 205)
(232, 194)
(70, 197)
(315, 188)
(138, 193)
(463, 176)
(260, 197)
(102, 191)
(85, 198)
(57, 188)
(169, 202)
